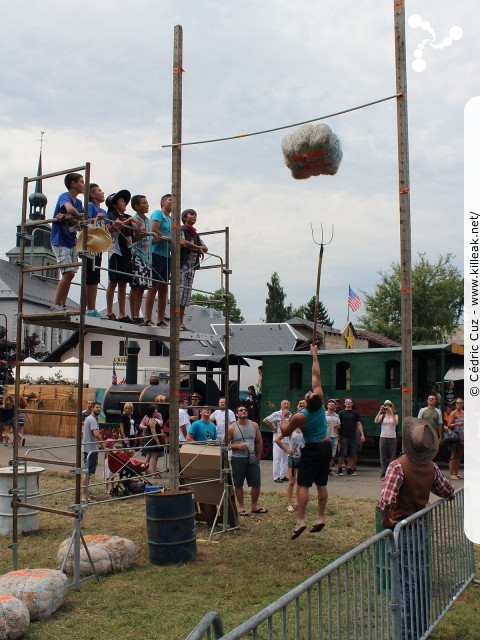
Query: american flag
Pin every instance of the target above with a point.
(354, 301)
(114, 375)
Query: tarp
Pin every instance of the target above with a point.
(454, 373)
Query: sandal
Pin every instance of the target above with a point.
(454, 477)
(260, 510)
(111, 316)
(243, 512)
(290, 509)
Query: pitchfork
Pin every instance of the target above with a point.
(321, 244)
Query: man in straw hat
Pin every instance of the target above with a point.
(405, 490)
(95, 212)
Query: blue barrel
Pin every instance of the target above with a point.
(171, 531)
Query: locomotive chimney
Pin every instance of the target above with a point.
(132, 361)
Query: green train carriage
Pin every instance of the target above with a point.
(368, 376)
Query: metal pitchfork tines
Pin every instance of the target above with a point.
(321, 244)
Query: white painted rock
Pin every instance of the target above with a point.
(14, 618)
(312, 150)
(108, 553)
(41, 590)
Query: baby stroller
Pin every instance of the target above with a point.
(130, 473)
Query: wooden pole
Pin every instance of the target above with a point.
(404, 201)
(174, 465)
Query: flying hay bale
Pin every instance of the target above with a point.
(312, 150)
(14, 618)
(41, 590)
(109, 554)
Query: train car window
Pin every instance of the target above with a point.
(392, 374)
(342, 377)
(96, 348)
(296, 371)
(156, 348)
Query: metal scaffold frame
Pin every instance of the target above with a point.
(76, 320)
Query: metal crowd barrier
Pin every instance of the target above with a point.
(396, 585)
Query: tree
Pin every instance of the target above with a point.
(437, 302)
(307, 311)
(275, 310)
(8, 350)
(235, 315)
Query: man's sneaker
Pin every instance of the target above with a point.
(340, 471)
(351, 472)
(162, 324)
(57, 307)
(95, 314)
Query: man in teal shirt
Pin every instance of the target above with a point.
(161, 225)
(202, 430)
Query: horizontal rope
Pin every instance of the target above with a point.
(287, 126)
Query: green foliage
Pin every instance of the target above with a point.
(8, 350)
(307, 311)
(235, 315)
(275, 310)
(437, 302)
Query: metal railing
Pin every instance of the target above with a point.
(396, 585)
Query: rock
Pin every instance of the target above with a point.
(312, 150)
(41, 590)
(14, 618)
(108, 553)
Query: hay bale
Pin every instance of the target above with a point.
(312, 150)
(41, 590)
(14, 618)
(109, 554)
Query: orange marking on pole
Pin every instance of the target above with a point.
(404, 190)
(174, 309)
(178, 70)
(406, 290)
(407, 390)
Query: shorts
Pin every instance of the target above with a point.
(314, 464)
(121, 263)
(142, 273)
(92, 276)
(333, 443)
(187, 275)
(293, 463)
(161, 268)
(64, 255)
(348, 447)
(92, 461)
(242, 470)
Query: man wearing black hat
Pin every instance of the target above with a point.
(406, 490)
(120, 253)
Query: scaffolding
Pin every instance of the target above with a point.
(76, 320)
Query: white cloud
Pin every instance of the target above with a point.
(97, 80)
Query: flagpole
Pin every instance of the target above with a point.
(348, 305)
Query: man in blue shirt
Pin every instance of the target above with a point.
(161, 225)
(202, 430)
(68, 210)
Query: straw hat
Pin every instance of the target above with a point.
(420, 440)
(99, 240)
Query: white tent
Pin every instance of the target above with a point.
(46, 372)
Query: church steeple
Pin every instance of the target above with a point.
(38, 201)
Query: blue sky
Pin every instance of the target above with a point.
(97, 78)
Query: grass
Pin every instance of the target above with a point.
(237, 574)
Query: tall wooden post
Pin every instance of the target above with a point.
(175, 259)
(404, 200)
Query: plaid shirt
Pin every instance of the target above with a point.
(394, 479)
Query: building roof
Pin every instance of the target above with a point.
(377, 338)
(35, 289)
